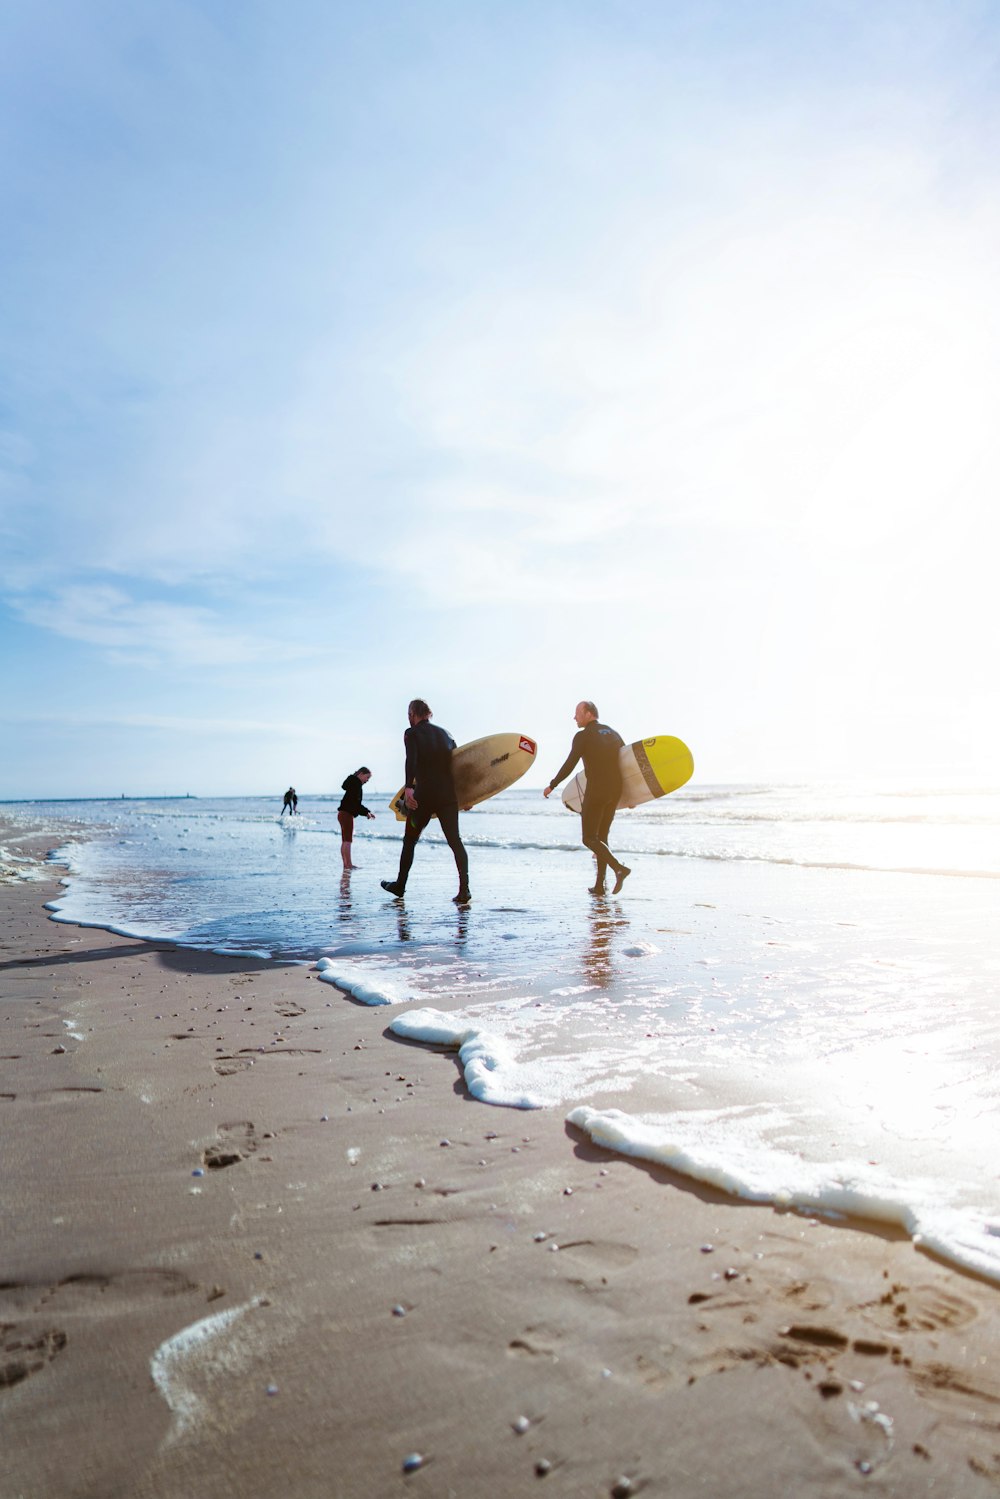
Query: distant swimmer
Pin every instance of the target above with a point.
(350, 808)
(429, 791)
(598, 747)
(290, 803)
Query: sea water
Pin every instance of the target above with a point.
(794, 998)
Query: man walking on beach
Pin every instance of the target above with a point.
(351, 807)
(429, 792)
(290, 804)
(598, 747)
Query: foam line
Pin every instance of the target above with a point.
(368, 985)
(485, 1059)
(960, 1237)
(171, 1362)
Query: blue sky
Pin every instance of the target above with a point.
(504, 354)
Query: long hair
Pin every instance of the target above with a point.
(419, 708)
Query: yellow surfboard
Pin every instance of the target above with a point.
(650, 768)
(482, 768)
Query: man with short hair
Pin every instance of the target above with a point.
(598, 747)
(429, 791)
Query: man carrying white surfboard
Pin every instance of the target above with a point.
(429, 791)
(599, 747)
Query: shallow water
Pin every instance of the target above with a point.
(794, 997)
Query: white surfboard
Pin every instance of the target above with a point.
(482, 768)
(650, 768)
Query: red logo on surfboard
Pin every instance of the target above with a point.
(528, 745)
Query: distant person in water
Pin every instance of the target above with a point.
(290, 803)
(598, 747)
(429, 792)
(350, 808)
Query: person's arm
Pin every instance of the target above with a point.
(410, 775)
(571, 761)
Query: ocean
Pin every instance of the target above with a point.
(794, 999)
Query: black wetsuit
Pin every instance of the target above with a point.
(429, 777)
(598, 747)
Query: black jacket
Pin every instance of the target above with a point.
(352, 803)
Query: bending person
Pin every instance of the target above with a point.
(290, 803)
(598, 747)
(351, 807)
(429, 791)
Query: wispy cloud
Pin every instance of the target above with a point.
(188, 728)
(143, 633)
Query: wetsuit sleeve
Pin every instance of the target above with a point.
(410, 741)
(571, 761)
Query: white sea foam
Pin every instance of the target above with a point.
(197, 1353)
(781, 1178)
(486, 1060)
(368, 985)
(21, 868)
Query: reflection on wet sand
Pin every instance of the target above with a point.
(597, 960)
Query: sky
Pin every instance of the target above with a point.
(503, 354)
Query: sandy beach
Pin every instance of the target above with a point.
(253, 1244)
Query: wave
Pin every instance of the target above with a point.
(726, 856)
(734, 858)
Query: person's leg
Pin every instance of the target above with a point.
(622, 871)
(412, 828)
(346, 838)
(597, 816)
(448, 818)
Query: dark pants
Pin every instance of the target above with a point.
(596, 816)
(415, 824)
(346, 826)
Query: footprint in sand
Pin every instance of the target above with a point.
(853, 1426)
(290, 1010)
(753, 1355)
(235, 1143)
(599, 1257)
(27, 1349)
(227, 1066)
(604, 1254)
(25, 1353)
(953, 1390)
(922, 1308)
(535, 1342)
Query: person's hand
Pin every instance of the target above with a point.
(547, 792)
(371, 816)
(410, 799)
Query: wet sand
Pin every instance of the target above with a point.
(253, 1245)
